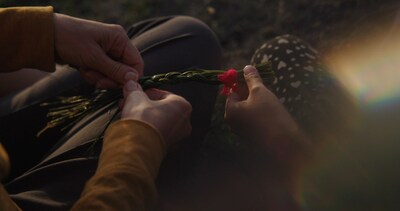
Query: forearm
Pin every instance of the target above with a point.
(289, 146)
(27, 38)
(279, 166)
(284, 151)
(128, 165)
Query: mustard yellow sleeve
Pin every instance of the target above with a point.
(5, 201)
(26, 38)
(128, 166)
(4, 163)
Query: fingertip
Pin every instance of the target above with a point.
(249, 69)
(131, 75)
(252, 77)
(131, 85)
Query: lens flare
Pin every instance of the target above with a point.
(360, 171)
(371, 70)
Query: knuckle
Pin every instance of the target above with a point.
(185, 107)
(252, 76)
(116, 27)
(258, 88)
(93, 57)
(182, 106)
(119, 32)
(116, 70)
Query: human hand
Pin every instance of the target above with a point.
(169, 114)
(255, 112)
(102, 52)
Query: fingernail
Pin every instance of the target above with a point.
(130, 85)
(249, 69)
(131, 76)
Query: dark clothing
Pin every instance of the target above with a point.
(56, 181)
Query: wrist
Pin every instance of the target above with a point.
(284, 144)
(125, 140)
(150, 124)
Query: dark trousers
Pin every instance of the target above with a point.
(43, 179)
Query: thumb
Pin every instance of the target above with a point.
(252, 77)
(131, 86)
(157, 94)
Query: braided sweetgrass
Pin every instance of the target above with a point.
(198, 75)
(66, 111)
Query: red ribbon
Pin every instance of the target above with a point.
(229, 79)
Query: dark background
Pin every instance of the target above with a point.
(243, 25)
